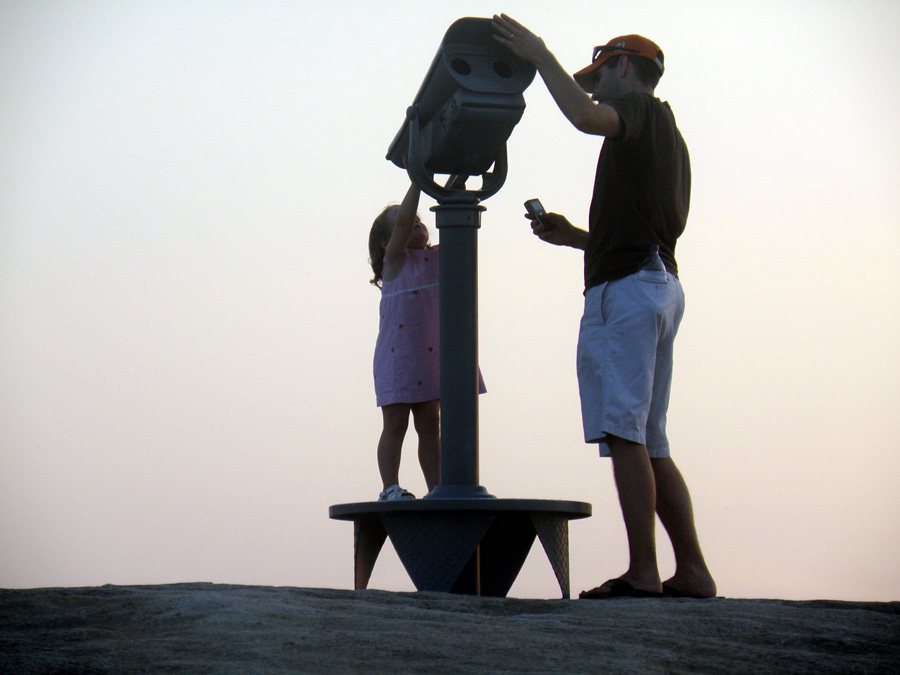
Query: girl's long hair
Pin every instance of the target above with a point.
(380, 232)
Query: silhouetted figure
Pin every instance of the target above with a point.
(407, 364)
(633, 297)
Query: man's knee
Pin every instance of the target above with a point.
(619, 446)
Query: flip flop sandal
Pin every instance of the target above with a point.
(617, 588)
(670, 592)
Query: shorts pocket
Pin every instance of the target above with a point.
(653, 276)
(594, 305)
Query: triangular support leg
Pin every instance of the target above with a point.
(553, 532)
(368, 539)
(437, 547)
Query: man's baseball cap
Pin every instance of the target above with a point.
(629, 45)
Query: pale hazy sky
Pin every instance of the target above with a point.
(186, 324)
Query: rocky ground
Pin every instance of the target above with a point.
(222, 629)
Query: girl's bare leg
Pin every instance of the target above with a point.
(427, 420)
(396, 421)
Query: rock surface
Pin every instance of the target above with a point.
(224, 629)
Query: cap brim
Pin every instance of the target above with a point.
(585, 76)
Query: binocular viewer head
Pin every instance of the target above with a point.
(467, 106)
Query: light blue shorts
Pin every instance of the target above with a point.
(625, 351)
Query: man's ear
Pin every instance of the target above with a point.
(624, 66)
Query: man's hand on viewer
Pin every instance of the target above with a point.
(521, 41)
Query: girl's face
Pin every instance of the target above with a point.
(419, 237)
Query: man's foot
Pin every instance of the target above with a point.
(697, 588)
(617, 588)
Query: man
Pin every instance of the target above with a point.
(633, 298)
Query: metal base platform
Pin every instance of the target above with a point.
(467, 546)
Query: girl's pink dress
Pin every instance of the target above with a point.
(407, 364)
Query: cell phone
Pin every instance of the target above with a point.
(536, 211)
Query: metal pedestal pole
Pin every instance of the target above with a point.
(458, 222)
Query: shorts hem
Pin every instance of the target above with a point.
(603, 445)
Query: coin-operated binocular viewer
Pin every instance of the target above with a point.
(459, 538)
(458, 125)
(464, 112)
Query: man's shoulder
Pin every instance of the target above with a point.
(638, 100)
(637, 110)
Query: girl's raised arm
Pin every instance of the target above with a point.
(395, 251)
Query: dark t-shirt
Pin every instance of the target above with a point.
(642, 191)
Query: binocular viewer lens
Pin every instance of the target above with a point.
(462, 67)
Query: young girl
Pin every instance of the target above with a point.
(407, 353)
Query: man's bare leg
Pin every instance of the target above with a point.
(636, 485)
(673, 505)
